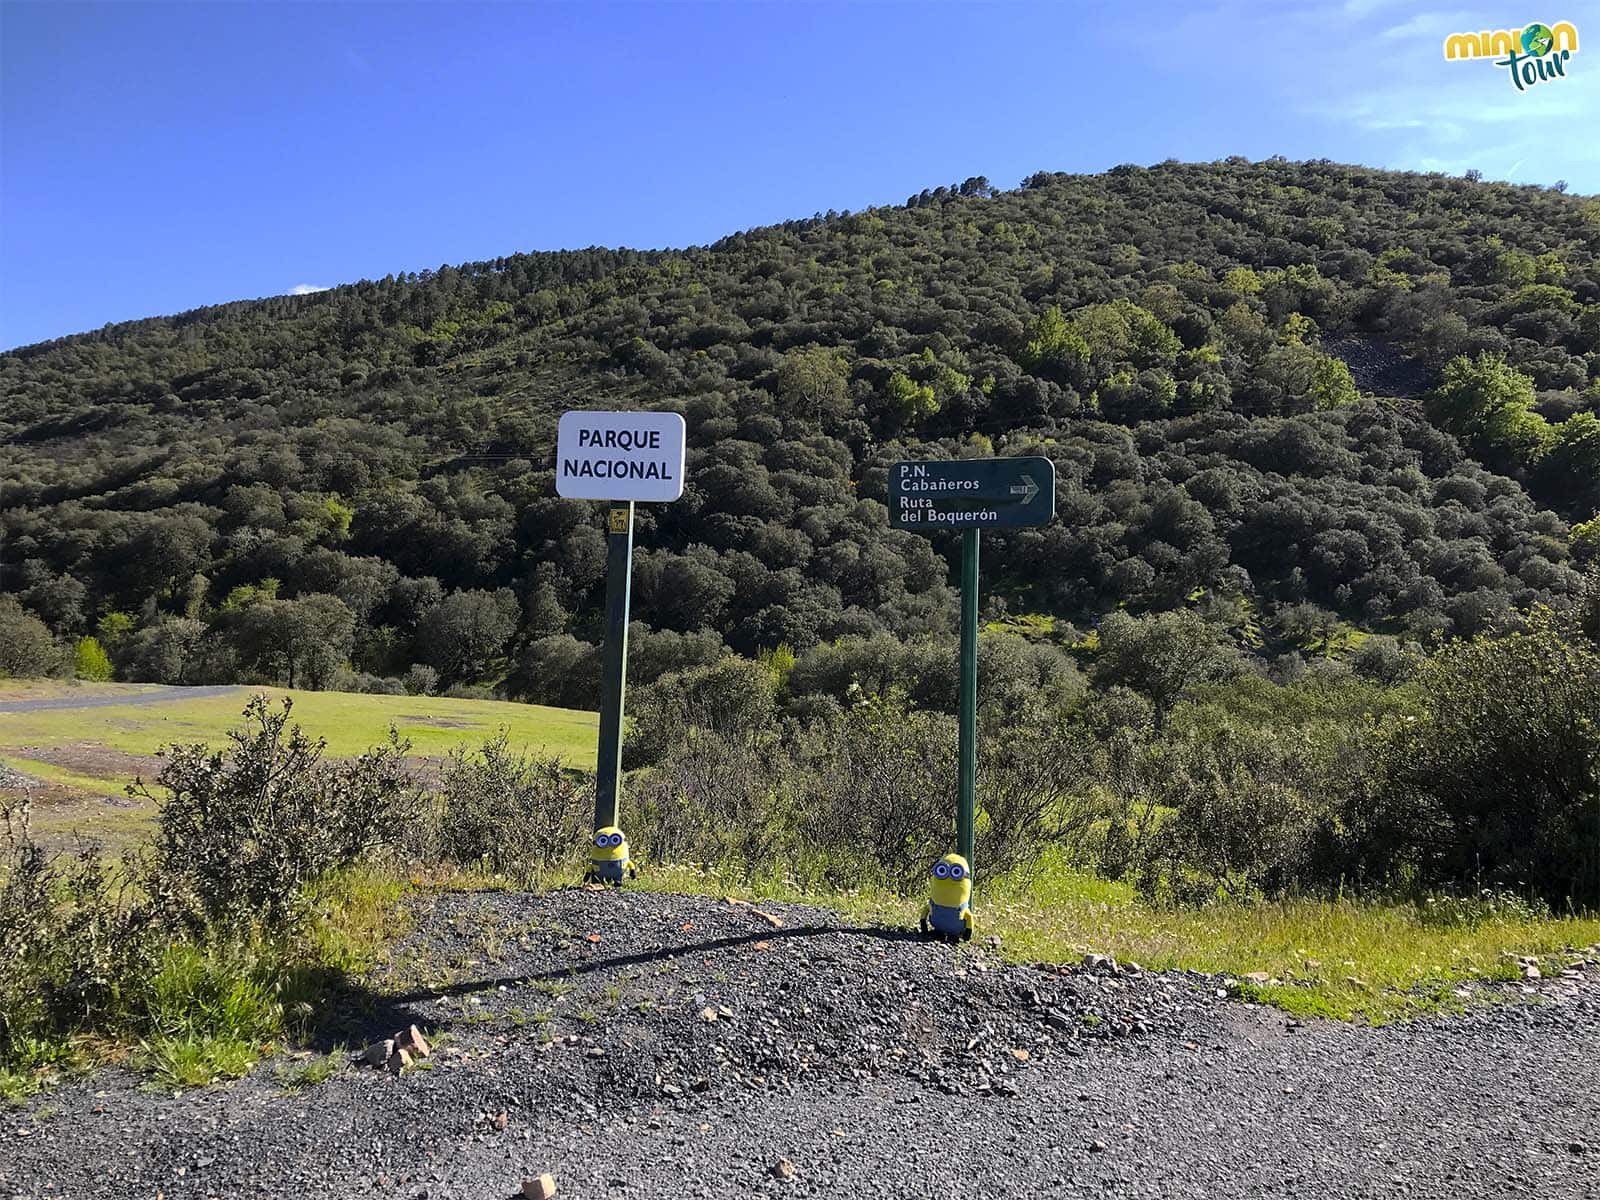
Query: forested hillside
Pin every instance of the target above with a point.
(1306, 399)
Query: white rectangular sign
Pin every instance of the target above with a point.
(620, 456)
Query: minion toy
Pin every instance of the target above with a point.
(949, 912)
(609, 860)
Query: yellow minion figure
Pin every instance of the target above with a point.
(950, 899)
(609, 860)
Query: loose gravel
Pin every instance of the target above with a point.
(640, 1045)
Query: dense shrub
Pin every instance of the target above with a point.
(733, 699)
(879, 793)
(242, 833)
(1497, 782)
(78, 942)
(509, 812)
(724, 797)
(27, 648)
(1249, 808)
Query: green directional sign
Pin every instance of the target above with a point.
(970, 495)
(975, 493)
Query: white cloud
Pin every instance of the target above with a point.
(305, 289)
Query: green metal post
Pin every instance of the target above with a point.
(614, 664)
(967, 778)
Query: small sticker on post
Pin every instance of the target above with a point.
(619, 520)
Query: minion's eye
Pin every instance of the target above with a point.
(616, 839)
(957, 871)
(601, 840)
(942, 871)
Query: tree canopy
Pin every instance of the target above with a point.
(1263, 385)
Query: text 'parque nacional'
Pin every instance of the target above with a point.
(620, 456)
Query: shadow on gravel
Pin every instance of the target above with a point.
(359, 1015)
(364, 1014)
(589, 966)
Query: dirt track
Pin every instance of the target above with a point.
(160, 695)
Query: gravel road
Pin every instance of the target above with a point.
(160, 695)
(639, 1045)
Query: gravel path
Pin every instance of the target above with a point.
(639, 1045)
(162, 695)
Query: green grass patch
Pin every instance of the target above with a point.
(351, 722)
(318, 1068)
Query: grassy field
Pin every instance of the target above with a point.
(90, 754)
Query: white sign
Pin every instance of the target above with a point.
(620, 456)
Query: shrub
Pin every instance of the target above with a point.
(558, 670)
(879, 790)
(718, 798)
(731, 698)
(1497, 783)
(1247, 812)
(513, 813)
(90, 660)
(1034, 789)
(27, 650)
(241, 834)
(76, 945)
(1383, 659)
(420, 680)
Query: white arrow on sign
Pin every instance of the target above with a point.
(1027, 489)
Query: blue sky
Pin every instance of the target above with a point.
(160, 157)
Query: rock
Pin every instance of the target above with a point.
(378, 1053)
(993, 941)
(540, 1187)
(594, 1052)
(413, 1043)
(1529, 971)
(1097, 1147)
(708, 1013)
(1021, 1055)
(499, 1121)
(399, 1061)
(1259, 977)
(783, 1169)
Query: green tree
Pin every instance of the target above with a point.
(1332, 385)
(90, 660)
(114, 628)
(467, 631)
(1571, 469)
(911, 401)
(27, 650)
(812, 382)
(1489, 405)
(1160, 655)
